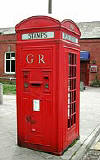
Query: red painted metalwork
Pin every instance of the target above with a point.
(48, 83)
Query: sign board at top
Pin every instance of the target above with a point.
(38, 35)
(70, 38)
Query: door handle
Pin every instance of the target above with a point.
(28, 118)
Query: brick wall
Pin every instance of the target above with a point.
(6, 42)
(93, 46)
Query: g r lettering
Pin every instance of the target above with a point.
(30, 58)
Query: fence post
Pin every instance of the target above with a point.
(1, 93)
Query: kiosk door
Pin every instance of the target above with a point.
(37, 106)
(37, 99)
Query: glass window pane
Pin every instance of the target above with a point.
(13, 66)
(69, 58)
(74, 107)
(72, 89)
(75, 118)
(69, 123)
(12, 54)
(74, 95)
(7, 65)
(7, 55)
(74, 59)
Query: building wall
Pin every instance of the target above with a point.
(7, 43)
(93, 46)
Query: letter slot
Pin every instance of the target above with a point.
(36, 83)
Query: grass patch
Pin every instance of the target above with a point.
(8, 82)
(9, 89)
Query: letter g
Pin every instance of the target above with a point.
(30, 58)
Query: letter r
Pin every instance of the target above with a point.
(41, 58)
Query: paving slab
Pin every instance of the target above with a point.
(93, 152)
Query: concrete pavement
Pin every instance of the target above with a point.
(93, 153)
(89, 129)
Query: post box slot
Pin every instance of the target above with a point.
(35, 84)
(46, 77)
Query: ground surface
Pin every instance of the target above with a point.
(89, 120)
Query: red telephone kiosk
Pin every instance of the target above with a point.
(48, 83)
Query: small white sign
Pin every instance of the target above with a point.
(36, 105)
(38, 35)
(70, 38)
